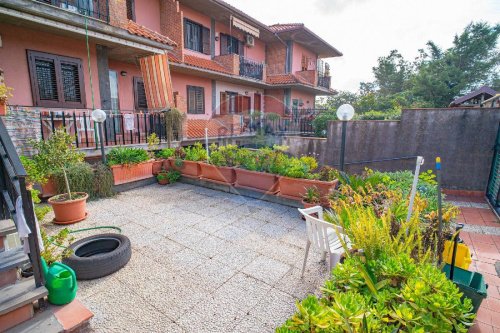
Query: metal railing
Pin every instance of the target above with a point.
(119, 128)
(98, 9)
(250, 68)
(13, 185)
(324, 81)
(298, 122)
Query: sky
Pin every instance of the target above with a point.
(364, 30)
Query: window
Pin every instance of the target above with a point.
(130, 10)
(140, 94)
(195, 100)
(113, 89)
(230, 45)
(56, 81)
(196, 37)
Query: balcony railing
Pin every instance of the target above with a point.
(98, 9)
(324, 81)
(250, 68)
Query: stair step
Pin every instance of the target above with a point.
(7, 227)
(16, 295)
(12, 259)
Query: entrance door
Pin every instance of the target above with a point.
(493, 190)
(257, 102)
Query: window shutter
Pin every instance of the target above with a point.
(205, 39)
(196, 100)
(223, 44)
(71, 82)
(46, 80)
(200, 101)
(223, 103)
(141, 101)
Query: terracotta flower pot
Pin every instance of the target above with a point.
(167, 164)
(163, 181)
(258, 181)
(157, 166)
(3, 108)
(49, 189)
(218, 174)
(69, 211)
(130, 173)
(294, 188)
(188, 169)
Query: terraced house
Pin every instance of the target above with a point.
(64, 58)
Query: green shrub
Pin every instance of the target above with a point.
(173, 176)
(96, 181)
(195, 153)
(35, 172)
(165, 153)
(127, 155)
(223, 155)
(320, 123)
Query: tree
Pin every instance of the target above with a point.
(391, 73)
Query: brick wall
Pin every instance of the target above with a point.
(23, 125)
(171, 21)
(307, 76)
(231, 62)
(275, 58)
(118, 13)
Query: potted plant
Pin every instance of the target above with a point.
(162, 177)
(173, 119)
(186, 160)
(60, 153)
(297, 176)
(166, 155)
(257, 169)
(173, 176)
(129, 164)
(5, 94)
(311, 197)
(220, 164)
(153, 143)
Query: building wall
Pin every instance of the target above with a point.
(147, 13)
(125, 83)
(171, 18)
(255, 53)
(180, 83)
(199, 18)
(14, 61)
(275, 58)
(274, 101)
(241, 90)
(305, 97)
(297, 53)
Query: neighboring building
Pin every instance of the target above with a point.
(204, 57)
(476, 98)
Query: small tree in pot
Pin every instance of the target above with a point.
(59, 153)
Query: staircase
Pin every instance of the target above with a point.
(18, 296)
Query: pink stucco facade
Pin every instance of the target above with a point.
(307, 99)
(126, 83)
(180, 83)
(199, 18)
(14, 61)
(147, 13)
(300, 51)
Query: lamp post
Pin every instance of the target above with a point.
(345, 113)
(99, 117)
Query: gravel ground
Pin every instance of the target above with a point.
(202, 261)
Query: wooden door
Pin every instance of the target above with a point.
(257, 102)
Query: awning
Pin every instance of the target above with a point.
(249, 29)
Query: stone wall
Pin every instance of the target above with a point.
(463, 138)
(23, 125)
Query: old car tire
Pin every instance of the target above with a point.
(99, 255)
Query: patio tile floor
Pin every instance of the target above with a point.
(202, 261)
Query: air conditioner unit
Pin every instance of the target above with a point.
(250, 41)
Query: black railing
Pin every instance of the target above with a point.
(250, 68)
(98, 9)
(299, 122)
(124, 128)
(324, 81)
(13, 185)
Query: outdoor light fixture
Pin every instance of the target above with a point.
(345, 113)
(123, 73)
(99, 116)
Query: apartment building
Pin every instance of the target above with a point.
(205, 57)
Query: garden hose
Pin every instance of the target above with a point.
(50, 239)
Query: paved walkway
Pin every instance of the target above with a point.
(202, 261)
(483, 239)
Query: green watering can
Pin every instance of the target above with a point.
(60, 281)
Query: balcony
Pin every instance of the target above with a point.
(97, 9)
(252, 69)
(324, 81)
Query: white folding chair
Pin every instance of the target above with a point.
(322, 236)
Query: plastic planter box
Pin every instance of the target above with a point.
(471, 284)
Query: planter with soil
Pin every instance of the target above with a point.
(188, 169)
(218, 174)
(49, 189)
(69, 211)
(157, 166)
(257, 181)
(126, 173)
(295, 188)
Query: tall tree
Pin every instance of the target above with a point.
(391, 73)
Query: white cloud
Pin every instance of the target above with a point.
(364, 30)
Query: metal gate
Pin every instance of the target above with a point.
(493, 189)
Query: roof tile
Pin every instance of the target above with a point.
(139, 30)
(196, 128)
(285, 27)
